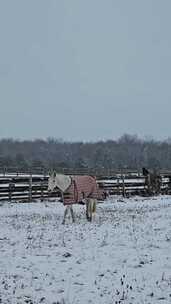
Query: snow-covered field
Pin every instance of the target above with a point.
(124, 256)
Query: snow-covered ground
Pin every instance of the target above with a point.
(124, 256)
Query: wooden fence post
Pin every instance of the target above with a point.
(42, 192)
(10, 192)
(30, 188)
(118, 188)
(11, 189)
(123, 186)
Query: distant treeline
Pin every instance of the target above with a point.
(126, 152)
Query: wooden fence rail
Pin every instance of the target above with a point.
(29, 187)
(24, 187)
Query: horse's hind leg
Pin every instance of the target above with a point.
(94, 204)
(88, 210)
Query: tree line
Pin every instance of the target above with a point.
(126, 152)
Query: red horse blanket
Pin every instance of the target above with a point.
(81, 187)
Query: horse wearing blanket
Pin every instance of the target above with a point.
(76, 189)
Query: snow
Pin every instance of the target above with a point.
(120, 181)
(14, 174)
(124, 256)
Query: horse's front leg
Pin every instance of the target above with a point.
(72, 214)
(65, 214)
(68, 208)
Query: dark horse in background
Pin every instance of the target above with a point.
(153, 181)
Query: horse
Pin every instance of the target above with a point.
(152, 181)
(76, 189)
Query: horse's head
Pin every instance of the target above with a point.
(51, 181)
(59, 181)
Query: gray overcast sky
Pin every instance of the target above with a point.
(85, 69)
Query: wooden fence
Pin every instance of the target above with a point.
(24, 187)
(28, 187)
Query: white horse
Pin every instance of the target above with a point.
(75, 190)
